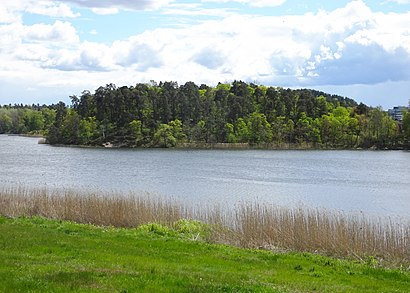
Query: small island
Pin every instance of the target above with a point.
(235, 115)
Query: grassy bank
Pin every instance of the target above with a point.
(353, 236)
(39, 255)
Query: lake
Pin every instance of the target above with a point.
(373, 182)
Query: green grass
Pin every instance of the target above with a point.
(39, 255)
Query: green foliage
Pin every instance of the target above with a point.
(169, 135)
(200, 132)
(88, 130)
(242, 130)
(25, 120)
(340, 129)
(230, 133)
(136, 131)
(183, 228)
(49, 116)
(177, 131)
(5, 121)
(168, 114)
(33, 120)
(260, 130)
(406, 128)
(157, 229)
(379, 129)
(193, 229)
(70, 128)
(164, 136)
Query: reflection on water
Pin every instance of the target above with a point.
(370, 181)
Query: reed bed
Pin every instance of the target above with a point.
(375, 239)
(382, 241)
(102, 209)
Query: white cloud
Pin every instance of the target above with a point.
(49, 8)
(61, 32)
(89, 56)
(347, 45)
(350, 45)
(11, 10)
(112, 6)
(105, 11)
(400, 1)
(209, 58)
(136, 52)
(255, 3)
(196, 9)
(15, 37)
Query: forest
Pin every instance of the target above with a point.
(166, 114)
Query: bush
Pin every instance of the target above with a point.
(156, 229)
(192, 229)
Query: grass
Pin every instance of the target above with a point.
(355, 236)
(41, 255)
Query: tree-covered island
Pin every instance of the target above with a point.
(169, 115)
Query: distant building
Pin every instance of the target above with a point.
(397, 112)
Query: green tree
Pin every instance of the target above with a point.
(406, 129)
(164, 137)
(136, 131)
(87, 130)
(279, 130)
(339, 129)
(49, 116)
(5, 121)
(315, 131)
(54, 135)
(303, 128)
(177, 130)
(70, 128)
(259, 129)
(33, 121)
(199, 133)
(230, 133)
(242, 130)
(189, 106)
(321, 107)
(380, 130)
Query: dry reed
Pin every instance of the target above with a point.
(248, 225)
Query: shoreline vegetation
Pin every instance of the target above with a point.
(170, 115)
(228, 146)
(211, 146)
(240, 146)
(341, 235)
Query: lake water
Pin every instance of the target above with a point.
(374, 182)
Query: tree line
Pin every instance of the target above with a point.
(168, 114)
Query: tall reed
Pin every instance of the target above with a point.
(247, 225)
(106, 209)
(327, 232)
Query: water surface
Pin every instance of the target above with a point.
(375, 182)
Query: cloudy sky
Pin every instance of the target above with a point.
(50, 50)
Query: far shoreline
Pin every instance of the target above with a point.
(231, 146)
(215, 146)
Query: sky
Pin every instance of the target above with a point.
(50, 50)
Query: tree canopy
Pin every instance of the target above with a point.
(168, 114)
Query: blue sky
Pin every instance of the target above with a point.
(50, 50)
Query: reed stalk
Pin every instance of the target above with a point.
(247, 225)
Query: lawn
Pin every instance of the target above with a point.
(40, 255)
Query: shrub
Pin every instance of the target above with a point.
(157, 229)
(193, 229)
